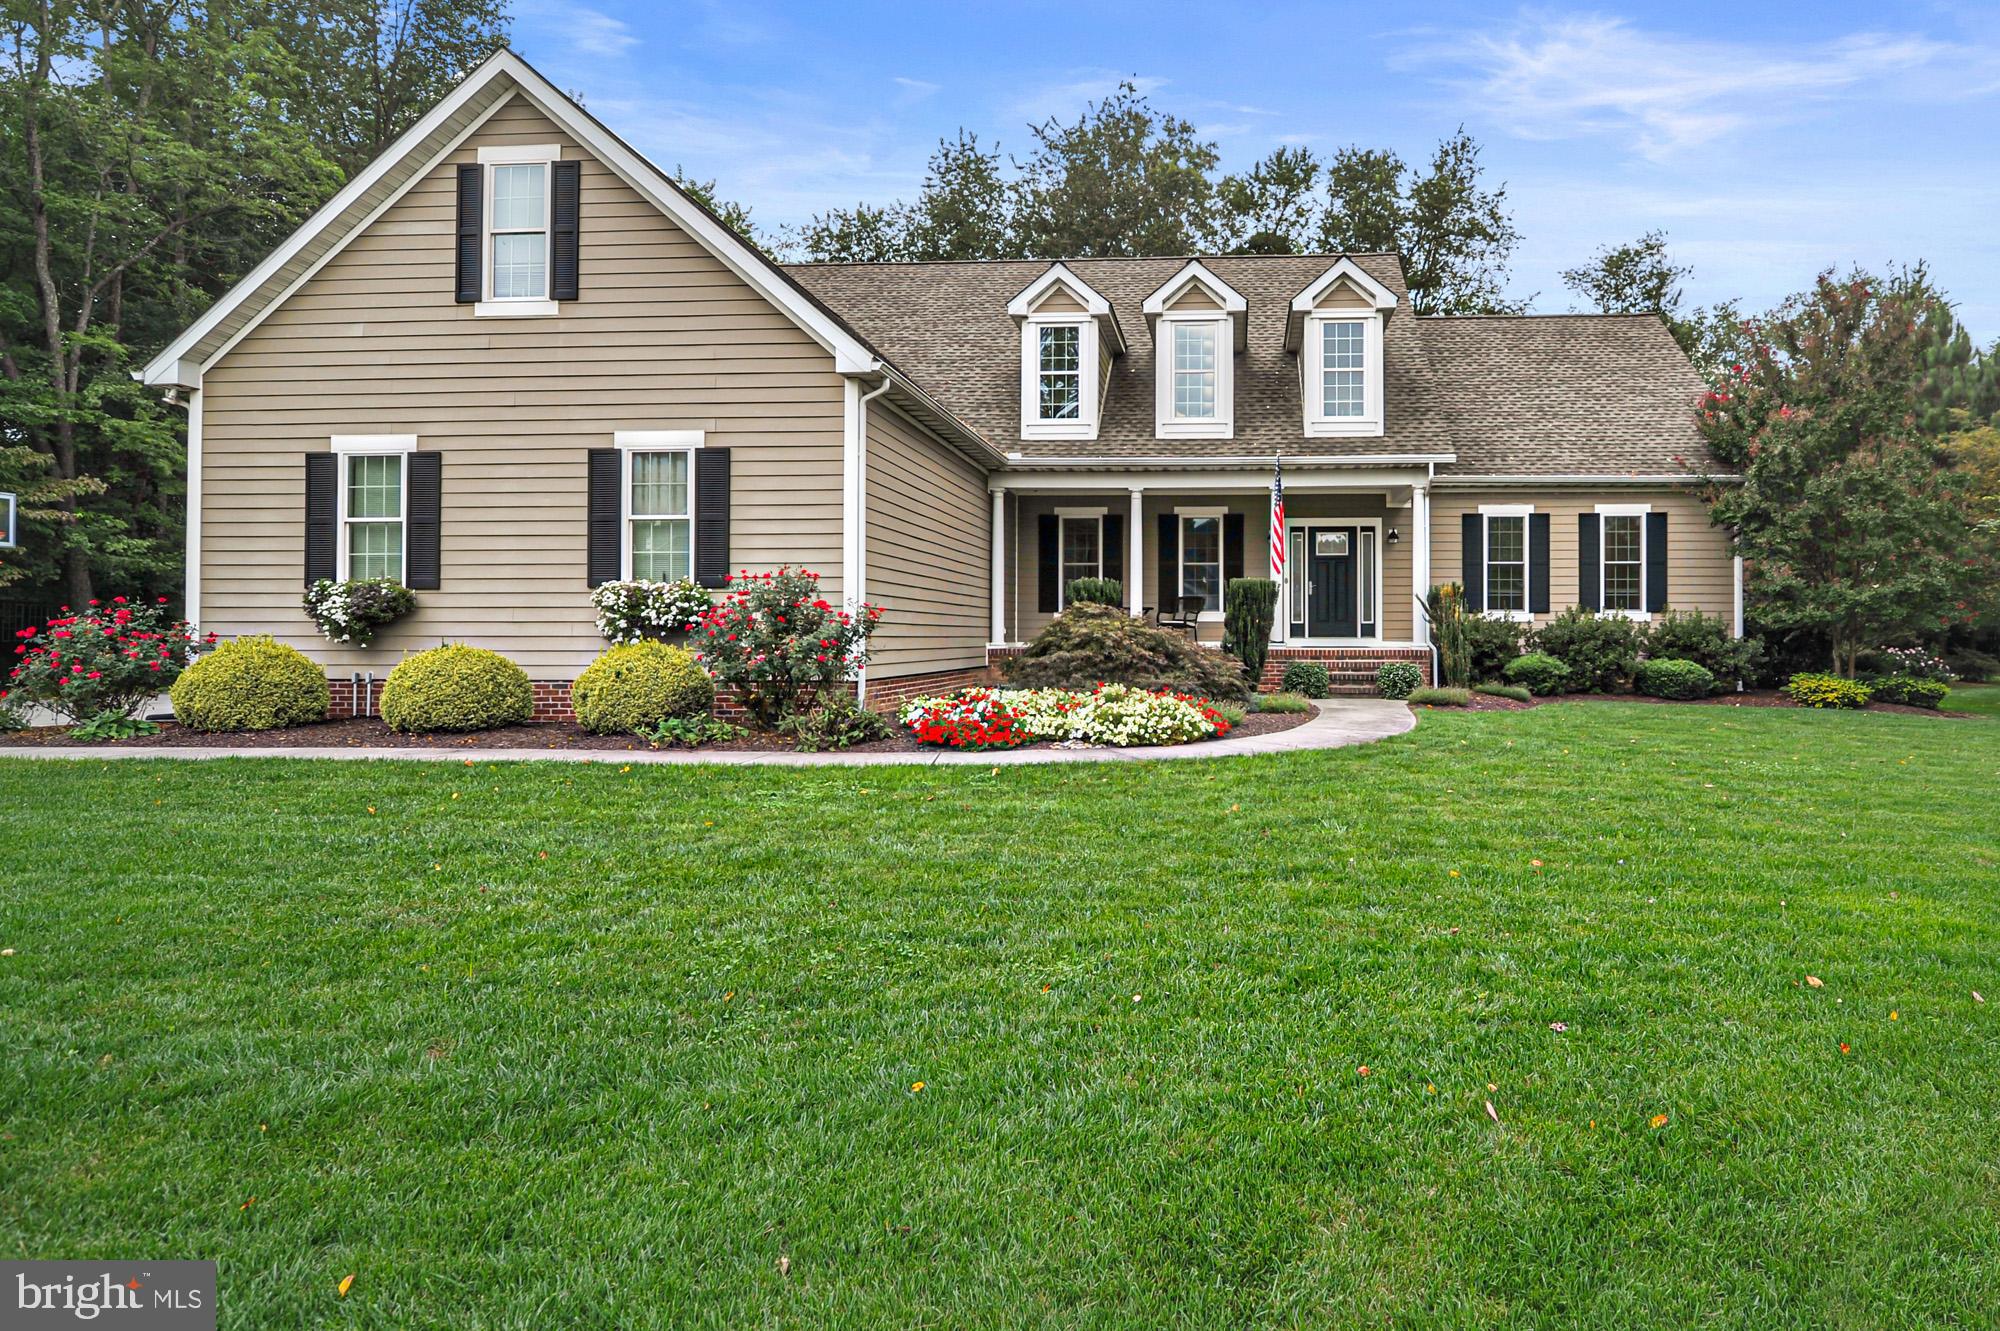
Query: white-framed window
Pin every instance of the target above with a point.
(515, 246)
(1059, 376)
(1622, 558)
(1196, 373)
(373, 504)
(1201, 555)
(659, 503)
(1079, 548)
(1507, 569)
(1058, 372)
(1342, 364)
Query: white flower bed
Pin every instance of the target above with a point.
(1114, 714)
(629, 612)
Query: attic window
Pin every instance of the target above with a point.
(1343, 374)
(523, 204)
(1059, 372)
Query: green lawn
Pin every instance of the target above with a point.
(1981, 698)
(548, 1046)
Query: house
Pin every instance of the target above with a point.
(512, 360)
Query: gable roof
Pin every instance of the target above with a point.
(947, 325)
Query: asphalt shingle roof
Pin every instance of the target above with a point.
(1538, 395)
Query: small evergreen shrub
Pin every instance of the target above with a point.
(1491, 644)
(1911, 691)
(837, 723)
(1665, 677)
(1248, 606)
(1087, 645)
(1815, 689)
(1447, 697)
(629, 688)
(1398, 678)
(455, 687)
(1690, 635)
(1538, 673)
(1284, 704)
(1309, 678)
(1095, 591)
(1514, 691)
(1601, 651)
(255, 683)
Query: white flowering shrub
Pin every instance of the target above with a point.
(1114, 714)
(352, 611)
(629, 612)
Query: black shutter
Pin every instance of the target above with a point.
(1114, 547)
(423, 564)
(1656, 562)
(1232, 548)
(1048, 564)
(604, 560)
(1589, 566)
(711, 516)
(470, 284)
(322, 516)
(1473, 572)
(565, 192)
(1170, 561)
(1538, 563)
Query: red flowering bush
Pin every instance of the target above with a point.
(774, 639)
(109, 659)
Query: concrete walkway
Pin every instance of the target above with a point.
(1341, 722)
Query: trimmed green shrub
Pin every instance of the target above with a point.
(1814, 689)
(1248, 606)
(837, 723)
(1911, 691)
(1447, 697)
(1538, 673)
(1680, 680)
(1309, 678)
(1095, 591)
(1088, 644)
(1283, 704)
(455, 687)
(640, 684)
(1601, 651)
(1690, 635)
(1491, 644)
(1514, 691)
(1398, 678)
(1451, 630)
(255, 683)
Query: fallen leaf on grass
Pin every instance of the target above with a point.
(916, 1086)
(1976, 997)
(247, 1205)
(784, 1266)
(1659, 1120)
(1843, 1046)
(1892, 1015)
(1815, 982)
(346, 1283)
(1491, 1112)
(1363, 1069)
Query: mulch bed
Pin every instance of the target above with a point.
(371, 733)
(1754, 698)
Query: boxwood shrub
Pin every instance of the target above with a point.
(1397, 678)
(1911, 691)
(1679, 680)
(1690, 635)
(1814, 689)
(455, 687)
(1308, 678)
(255, 683)
(639, 685)
(1492, 644)
(1097, 591)
(1600, 650)
(1538, 673)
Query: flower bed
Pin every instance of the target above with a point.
(1114, 714)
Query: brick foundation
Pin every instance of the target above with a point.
(885, 695)
(354, 697)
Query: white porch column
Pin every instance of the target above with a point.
(1420, 557)
(1135, 555)
(999, 590)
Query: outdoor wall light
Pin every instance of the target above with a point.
(1394, 536)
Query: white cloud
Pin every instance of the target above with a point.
(1067, 98)
(595, 34)
(1554, 77)
(914, 90)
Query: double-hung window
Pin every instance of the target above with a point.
(1195, 372)
(1622, 558)
(1082, 550)
(1201, 558)
(659, 522)
(1507, 563)
(1343, 383)
(1059, 372)
(373, 504)
(1341, 364)
(516, 243)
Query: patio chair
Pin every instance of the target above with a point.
(1181, 613)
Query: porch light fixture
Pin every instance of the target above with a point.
(1393, 537)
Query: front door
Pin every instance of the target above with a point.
(1332, 607)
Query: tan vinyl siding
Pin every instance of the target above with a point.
(1194, 297)
(928, 557)
(1058, 300)
(1700, 568)
(663, 337)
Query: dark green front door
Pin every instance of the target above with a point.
(1332, 607)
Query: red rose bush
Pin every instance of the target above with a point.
(775, 640)
(109, 660)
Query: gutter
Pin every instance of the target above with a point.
(1457, 482)
(1023, 462)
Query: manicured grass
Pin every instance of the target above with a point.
(552, 1045)
(1983, 699)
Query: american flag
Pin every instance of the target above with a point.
(1277, 517)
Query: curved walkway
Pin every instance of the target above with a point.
(1341, 722)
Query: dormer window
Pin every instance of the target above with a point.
(1065, 362)
(1336, 328)
(1198, 327)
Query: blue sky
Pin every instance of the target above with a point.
(1769, 141)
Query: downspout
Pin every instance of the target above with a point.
(858, 575)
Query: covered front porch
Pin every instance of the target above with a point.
(1357, 548)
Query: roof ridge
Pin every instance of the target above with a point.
(1085, 258)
